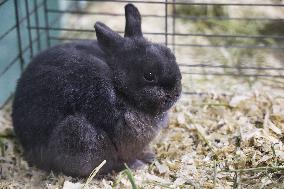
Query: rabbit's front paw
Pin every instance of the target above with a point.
(136, 164)
(148, 157)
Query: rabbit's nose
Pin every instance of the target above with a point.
(173, 94)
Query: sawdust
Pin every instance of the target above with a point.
(212, 140)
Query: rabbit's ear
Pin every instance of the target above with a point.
(133, 21)
(107, 38)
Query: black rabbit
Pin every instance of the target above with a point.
(80, 103)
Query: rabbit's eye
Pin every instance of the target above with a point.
(149, 76)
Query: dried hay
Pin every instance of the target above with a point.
(213, 141)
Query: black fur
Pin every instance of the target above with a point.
(80, 103)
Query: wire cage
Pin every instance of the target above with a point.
(30, 26)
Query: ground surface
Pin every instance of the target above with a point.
(227, 135)
(210, 140)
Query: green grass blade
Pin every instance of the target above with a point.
(130, 176)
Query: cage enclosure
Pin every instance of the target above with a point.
(227, 128)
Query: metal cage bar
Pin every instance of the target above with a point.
(40, 33)
(29, 31)
(174, 25)
(37, 25)
(19, 38)
(192, 3)
(25, 13)
(166, 22)
(19, 21)
(46, 23)
(168, 34)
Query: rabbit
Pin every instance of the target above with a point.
(79, 103)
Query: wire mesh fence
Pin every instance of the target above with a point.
(37, 26)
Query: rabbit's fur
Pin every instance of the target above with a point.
(80, 103)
